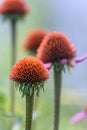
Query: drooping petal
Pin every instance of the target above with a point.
(72, 63)
(81, 59)
(78, 117)
(48, 65)
(64, 61)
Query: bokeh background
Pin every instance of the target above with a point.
(69, 17)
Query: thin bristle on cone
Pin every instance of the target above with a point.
(55, 47)
(29, 70)
(34, 39)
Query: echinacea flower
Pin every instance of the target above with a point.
(29, 73)
(14, 8)
(79, 116)
(62, 52)
(34, 38)
(56, 48)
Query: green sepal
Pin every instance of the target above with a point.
(29, 88)
(13, 17)
(58, 66)
(68, 67)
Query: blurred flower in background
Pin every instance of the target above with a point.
(34, 39)
(14, 8)
(79, 116)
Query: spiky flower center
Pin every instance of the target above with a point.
(29, 73)
(55, 47)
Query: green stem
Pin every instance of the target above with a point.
(57, 94)
(35, 104)
(12, 91)
(36, 101)
(29, 111)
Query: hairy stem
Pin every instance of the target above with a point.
(57, 94)
(29, 111)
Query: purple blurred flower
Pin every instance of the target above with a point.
(78, 117)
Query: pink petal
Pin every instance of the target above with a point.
(48, 65)
(78, 117)
(64, 61)
(81, 59)
(72, 63)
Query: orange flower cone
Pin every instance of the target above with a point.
(14, 6)
(29, 70)
(55, 47)
(14, 9)
(34, 39)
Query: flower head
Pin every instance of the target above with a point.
(14, 6)
(55, 47)
(29, 72)
(14, 9)
(34, 39)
